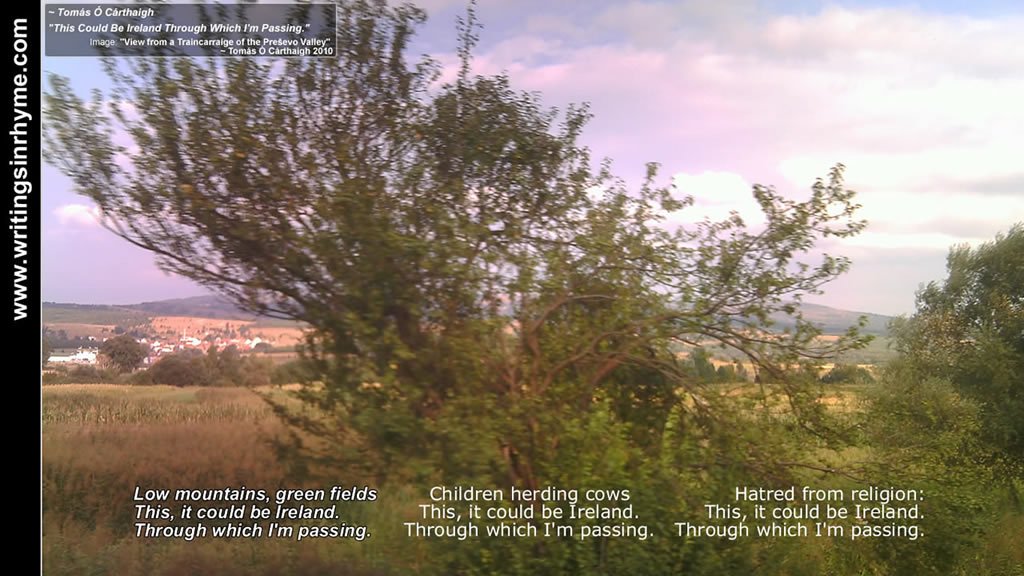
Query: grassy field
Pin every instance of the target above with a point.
(100, 441)
(87, 314)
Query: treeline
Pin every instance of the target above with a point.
(703, 369)
(59, 339)
(227, 367)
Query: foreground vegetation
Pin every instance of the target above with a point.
(100, 441)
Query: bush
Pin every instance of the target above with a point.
(848, 374)
(292, 372)
(256, 372)
(223, 368)
(179, 370)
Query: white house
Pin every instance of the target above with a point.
(82, 356)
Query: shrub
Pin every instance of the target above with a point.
(848, 374)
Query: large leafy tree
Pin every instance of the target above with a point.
(947, 416)
(480, 297)
(124, 352)
(969, 328)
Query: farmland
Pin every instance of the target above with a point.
(100, 441)
(198, 315)
(280, 335)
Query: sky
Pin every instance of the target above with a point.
(920, 102)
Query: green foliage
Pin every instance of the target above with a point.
(216, 368)
(224, 367)
(702, 367)
(931, 438)
(848, 374)
(59, 339)
(82, 374)
(706, 372)
(46, 349)
(179, 370)
(123, 352)
(947, 416)
(293, 371)
(970, 328)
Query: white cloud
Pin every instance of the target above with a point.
(716, 195)
(78, 215)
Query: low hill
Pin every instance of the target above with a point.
(837, 321)
(133, 314)
(98, 314)
(830, 320)
(198, 306)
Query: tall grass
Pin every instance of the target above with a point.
(91, 404)
(99, 442)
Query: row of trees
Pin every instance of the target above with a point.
(228, 367)
(215, 368)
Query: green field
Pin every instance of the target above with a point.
(878, 352)
(87, 314)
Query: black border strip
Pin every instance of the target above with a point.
(22, 241)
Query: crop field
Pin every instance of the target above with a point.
(281, 335)
(78, 330)
(100, 441)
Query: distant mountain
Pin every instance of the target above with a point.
(836, 321)
(830, 320)
(131, 314)
(210, 306)
(102, 314)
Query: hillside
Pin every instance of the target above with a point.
(99, 314)
(837, 321)
(198, 306)
(831, 320)
(132, 314)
